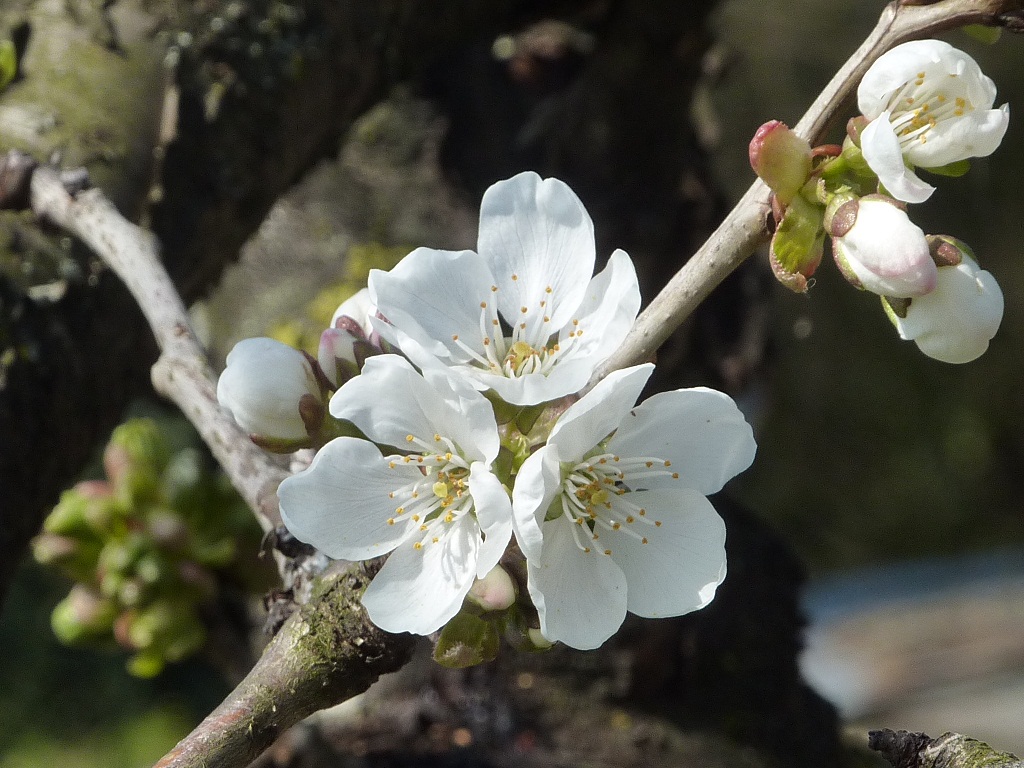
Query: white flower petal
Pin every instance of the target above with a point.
(390, 400)
(359, 307)
(419, 590)
(493, 513)
(262, 385)
(896, 67)
(883, 153)
(700, 430)
(682, 564)
(609, 308)
(536, 486)
(955, 322)
(580, 597)
(598, 413)
(340, 503)
(976, 134)
(539, 242)
(435, 295)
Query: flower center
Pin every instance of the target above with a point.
(526, 344)
(440, 496)
(595, 496)
(921, 104)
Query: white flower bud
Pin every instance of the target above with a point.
(495, 591)
(955, 322)
(878, 248)
(262, 385)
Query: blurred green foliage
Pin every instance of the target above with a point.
(304, 332)
(147, 548)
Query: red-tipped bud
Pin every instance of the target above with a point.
(781, 158)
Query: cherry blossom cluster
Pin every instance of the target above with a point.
(924, 105)
(445, 403)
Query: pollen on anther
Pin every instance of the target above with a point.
(399, 510)
(455, 337)
(495, 322)
(643, 540)
(417, 545)
(423, 527)
(523, 310)
(391, 495)
(649, 464)
(523, 326)
(657, 523)
(587, 550)
(409, 438)
(391, 521)
(487, 342)
(435, 539)
(675, 475)
(515, 277)
(668, 463)
(630, 519)
(607, 551)
(483, 305)
(616, 526)
(642, 512)
(415, 518)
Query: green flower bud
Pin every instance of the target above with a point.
(82, 616)
(781, 158)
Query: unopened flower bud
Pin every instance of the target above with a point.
(797, 245)
(879, 249)
(262, 386)
(781, 158)
(955, 322)
(82, 616)
(337, 354)
(495, 591)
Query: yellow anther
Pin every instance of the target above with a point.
(587, 550)
(630, 519)
(399, 510)
(515, 277)
(449, 518)
(657, 523)
(440, 489)
(391, 521)
(483, 305)
(423, 527)
(494, 289)
(643, 540)
(675, 475)
(417, 545)
(607, 551)
(409, 438)
(415, 518)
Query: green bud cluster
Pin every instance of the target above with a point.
(147, 548)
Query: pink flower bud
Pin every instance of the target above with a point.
(781, 158)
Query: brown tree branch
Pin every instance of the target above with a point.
(746, 226)
(951, 750)
(326, 652)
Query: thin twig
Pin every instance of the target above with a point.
(746, 226)
(182, 373)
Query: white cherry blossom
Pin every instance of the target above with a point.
(955, 322)
(929, 105)
(878, 248)
(526, 316)
(612, 513)
(434, 504)
(262, 385)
